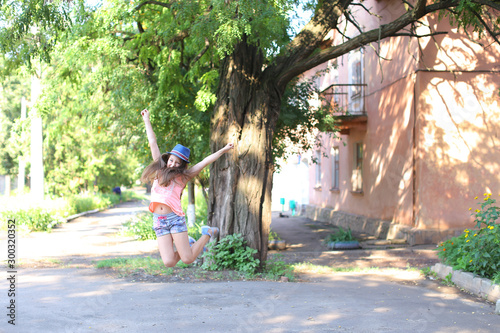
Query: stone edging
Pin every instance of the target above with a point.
(484, 288)
(72, 217)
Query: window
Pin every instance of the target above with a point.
(335, 168)
(356, 69)
(318, 168)
(357, 173)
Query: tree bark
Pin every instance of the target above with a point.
(246, 113)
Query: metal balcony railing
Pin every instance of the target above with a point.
(345, 99)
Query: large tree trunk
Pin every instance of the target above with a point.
(246, 114)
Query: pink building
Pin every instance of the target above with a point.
(422, 136)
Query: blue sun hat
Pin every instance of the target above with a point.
(181, 152)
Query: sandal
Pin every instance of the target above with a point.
(209, 231)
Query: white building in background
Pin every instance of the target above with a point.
(291, 183)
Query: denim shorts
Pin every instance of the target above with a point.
(168, 224)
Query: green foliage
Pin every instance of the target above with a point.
(231, 252)
(140, 227)
(471, 15)
(83, 152)
(83, 203)
(34, 219)
(49, 213)
(273, 236)
(30, 29)
(276, 267)
(340, 235)
(263, 23)
(476, 250)
(13, 141)
(447, 280)
(127, 266)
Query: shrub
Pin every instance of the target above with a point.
(340, 236)
(34, 219)
(45, 215)
(477, 250)
(274, 236)
(231, 252)
(140, 227)
(84, 203)
(276, 268)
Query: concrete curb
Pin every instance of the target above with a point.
(75, 216)
(484, 288)
(97, 210)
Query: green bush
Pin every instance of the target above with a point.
(276, 268)
(231, 252)
(274, 236)
(140, 227)
(84, 203)
(34, 219)
(47, 214)
(340, 236)
(477, 250)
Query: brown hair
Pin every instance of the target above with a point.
(159, 170)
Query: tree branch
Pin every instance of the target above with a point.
(153, 2)
(492, 4)
(353, 21)
(419, 9)
(366, 9)
(485, 25)
(419, 36)
(384, 31)
(202, 52)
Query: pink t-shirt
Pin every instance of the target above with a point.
(169, 195)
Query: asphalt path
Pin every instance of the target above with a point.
(80, 298)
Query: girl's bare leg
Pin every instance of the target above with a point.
(188, 254)
(168, 255)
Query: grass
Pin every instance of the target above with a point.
(275, 268)
(306, 267)
(318, 269)
(127, 266)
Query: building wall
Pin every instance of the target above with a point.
(431, 140)
(457, 135)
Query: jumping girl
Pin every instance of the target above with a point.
(169, 175)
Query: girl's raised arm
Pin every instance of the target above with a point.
(196, 169)
(155, 151)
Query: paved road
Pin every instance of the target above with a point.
(83, 300)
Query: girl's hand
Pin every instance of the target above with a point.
(145, 114)
(228, 147)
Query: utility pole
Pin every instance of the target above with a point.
(36, 140)
(22, 162)
(191, 215)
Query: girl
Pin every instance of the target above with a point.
(169, 175)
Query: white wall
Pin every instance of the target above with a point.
(291, 183)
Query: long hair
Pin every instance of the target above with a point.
(159, 170)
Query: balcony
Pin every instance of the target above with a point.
(347, 104)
